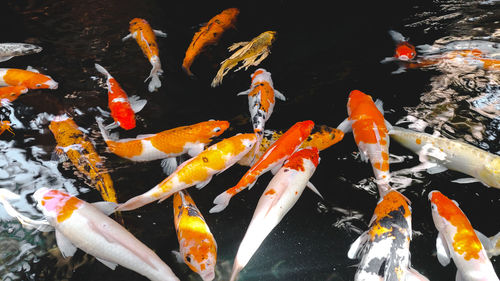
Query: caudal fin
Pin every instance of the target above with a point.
(101, 69)
(136, 202)
(224, 69)
(155, 73)
(221, 202)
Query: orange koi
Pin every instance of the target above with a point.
(11, 93)
(5, 126)
(370, 130)
(122, 109)
(457, 240)
(404, 50)
(197, 170)
(145, 36)
(31, 79)
(72, 142)
(273, 159)
(197, 244)
(209, 34)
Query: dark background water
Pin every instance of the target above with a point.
(320, 55)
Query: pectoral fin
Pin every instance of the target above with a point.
(487, 243)
(356, 249)
(5, 58)
(65, 246)
(380, 106)
(313, 188)
(243, 93)
(203, 183)
(465, 180)
(106, 207)
(159, 33)
(127, 37)
(436, 169)
(136, 103)
(109, 264)
(279, 95)
(443, 253)
(345, 126)
(169, 165)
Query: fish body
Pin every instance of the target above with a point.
(145, 36)
(197, 170)
(251, 53)
(209, 34)
(72, 142)
(321, 137)
(190, 139)
(79, 224)
(27, 78)
(273, 159)
(280, 196)
(451, 154)
(384, 249)
(370, 132)
(197, 245)
(118, 101)
(11, 93)
(458, 240)
(261, 99)
(10, 50)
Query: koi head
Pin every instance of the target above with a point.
(261, 75)
(201, 257)
(356, 98)
(40, 81)
(405, 51)
(213, 128)
(55, 204)
(269, 35)
(440, 203)
(231, 13)
(305, 127)
(137, 23)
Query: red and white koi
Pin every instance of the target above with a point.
(122, 109)
(197, 171)
(30, 78)
(197, 245)
(384, 249)
(404, 50)
(261, 99)
(166, 145)
(370, 130)
(457, 240)
(280, 196)
(145, 36)
(79, 224)
(273, 159)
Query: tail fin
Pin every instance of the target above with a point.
(136, 202)
(226, 65)
(102, 70)
(104, 132)
(221, 202)
(155, 73)
(396, 36)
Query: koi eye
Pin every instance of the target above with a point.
(38, 85)
(216, 130)
(434, 207)
(188, 258)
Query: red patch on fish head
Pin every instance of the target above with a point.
(356, 97)
(257, 73)
(296, 161)
(405, 51)
(305, 127)
(60, 203)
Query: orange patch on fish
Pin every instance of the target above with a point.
(61, 203)
(296, 161)
(418, 141)
(29, 79)
(270, 192)
(11, 93)
(392, 201)
(125, 149)
(266, 95)
(147, 41)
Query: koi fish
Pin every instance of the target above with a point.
(197, 170)
(455, 155)
(251, 53)
(261, 99)
(473, 57)
(167, 144)
(369, 128)
(122, 109)
(209, 34)
(321, 137)
(459, 241)
(280, 196)
(384, 249)
(31, 79)
(272, 160)
(79, 224)
(11, 93)
(141, 31)
(404, 50)
(10, 50)
(5, 126)
(72, 142)
(197, 245)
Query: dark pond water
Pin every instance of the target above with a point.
(320, 55)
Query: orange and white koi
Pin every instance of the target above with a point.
(197, 246)
(197, 171)
(79, 224)
(6, 126)
(251, 53)
(280, 196)
(209, 34)
(321, 137)
(261, 99)
(168, 144)
(72, 142)
(31, 79)
(384, 249)
(370, 130)
(404, 50)
(10, 50)
(457, 240)
(11, 93)
(145, 36)
(473, 57)
(272, 160)
(122, 108)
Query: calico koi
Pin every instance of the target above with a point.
(122, 110)
(251, 53)
(31, 79)
(10, 50)
(209, 34)
(280, 196)
(450, 154)
(457, 240)
(72, 142)
(370, 131)
(384, 249)
(145, 36)
(273, 159)
(197, 170)
(79, 224)
(197, 245)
